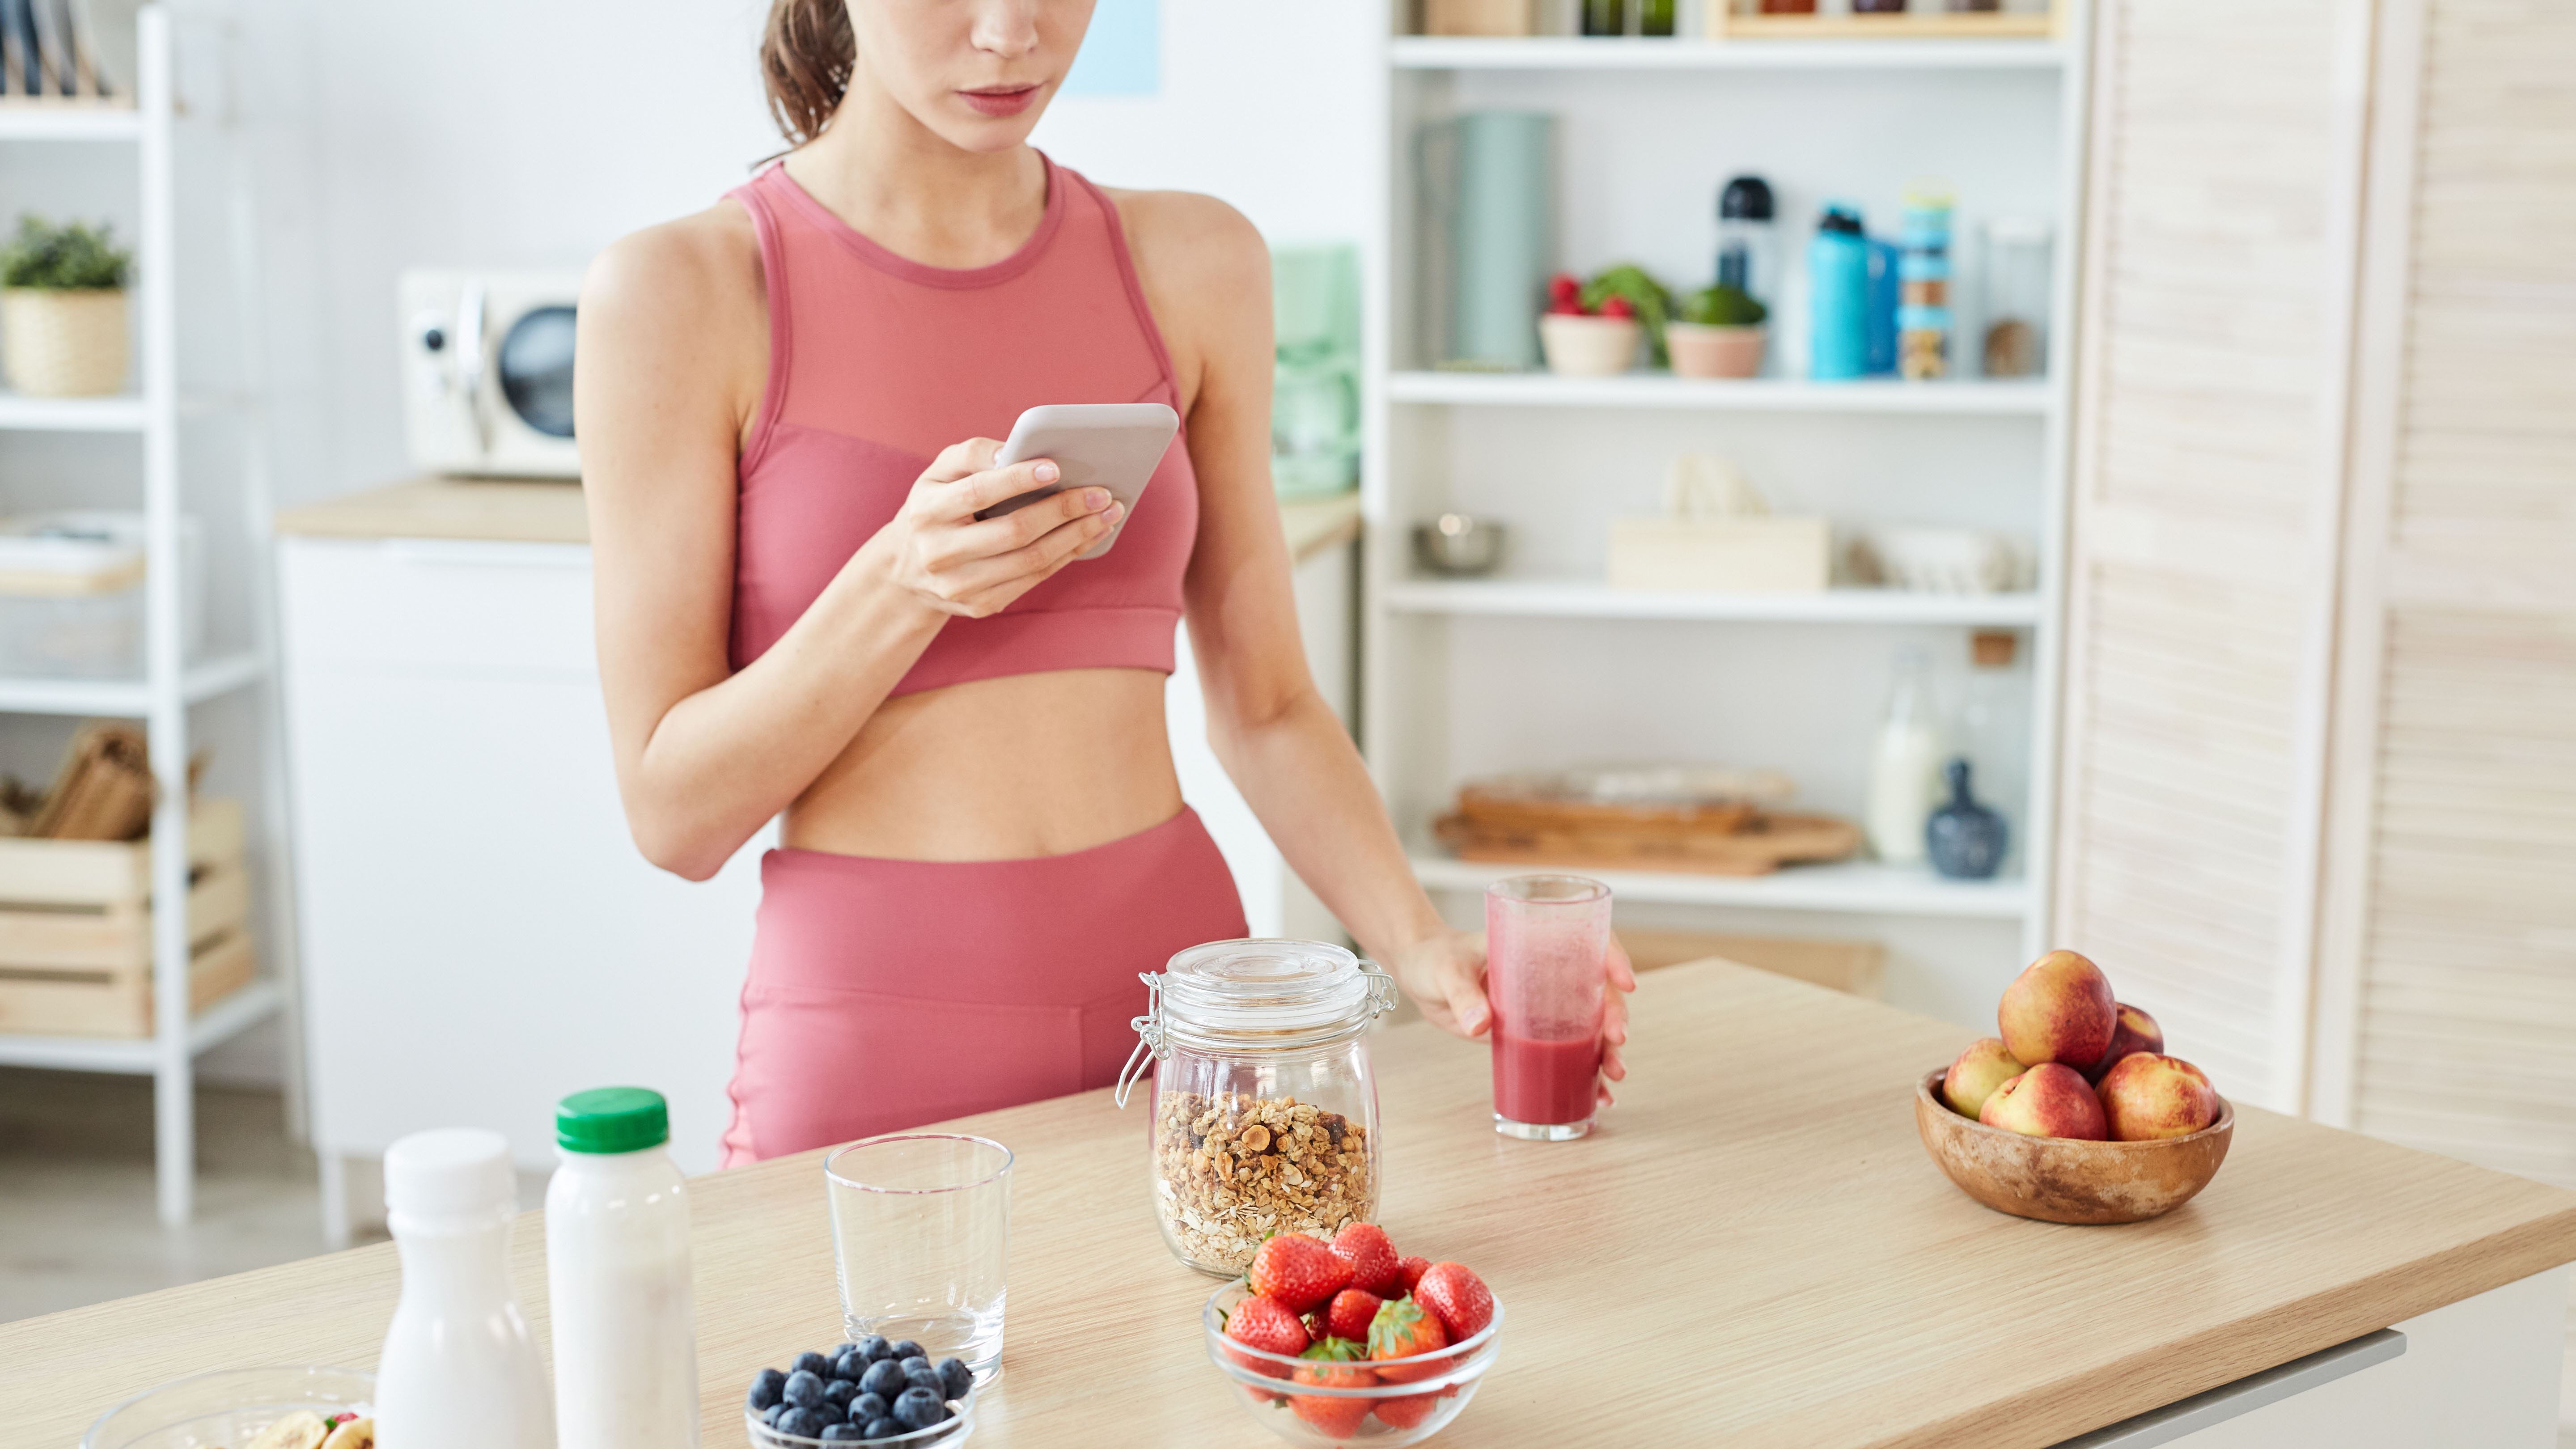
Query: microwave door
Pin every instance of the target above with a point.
(470, 347)
(535, 363)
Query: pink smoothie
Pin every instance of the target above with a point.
(1545, 1083)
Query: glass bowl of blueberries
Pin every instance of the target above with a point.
(868, 1392)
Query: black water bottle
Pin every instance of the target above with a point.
(1605, 17)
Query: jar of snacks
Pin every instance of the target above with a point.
(1265, 1112)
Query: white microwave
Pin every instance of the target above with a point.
(487, 372)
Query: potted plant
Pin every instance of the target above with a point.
(1719, 334)
(62, 309)
(1591, 328)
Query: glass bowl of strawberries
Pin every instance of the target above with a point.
(1346, 1341)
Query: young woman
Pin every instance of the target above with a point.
(788, 408)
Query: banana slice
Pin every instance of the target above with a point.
(355, 1434)
(302, 1429)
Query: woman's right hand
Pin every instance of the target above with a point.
(940, 555)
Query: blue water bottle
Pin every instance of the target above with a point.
(1838, 295)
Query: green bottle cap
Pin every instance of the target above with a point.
(612, 1119)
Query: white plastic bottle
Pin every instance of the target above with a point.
(459, 1370)
(1904, 778)
(617, 1277)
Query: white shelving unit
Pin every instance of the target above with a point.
(170, 683)
(1544, 665)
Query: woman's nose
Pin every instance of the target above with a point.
(1007, 28)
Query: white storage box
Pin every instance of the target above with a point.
(1731, 555)
(71, 594)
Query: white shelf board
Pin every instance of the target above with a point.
(1663, 390)
(216, 1024)
(126, 698)
(36, 121)
(1859, 887)
(122, 414)
(1592, 599)
(1558, 52)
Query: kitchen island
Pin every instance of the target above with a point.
(1753, 1250)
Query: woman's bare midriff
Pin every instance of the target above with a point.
(998, 769)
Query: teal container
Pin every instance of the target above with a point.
(1838, 293)
(1315, 392)
(1489, 178)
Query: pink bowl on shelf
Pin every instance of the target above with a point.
(1699, 350)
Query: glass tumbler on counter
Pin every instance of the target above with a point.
(1546, 937)
(921, 1236)
(1265, 1110)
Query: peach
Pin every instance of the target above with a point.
(2059, 1009)
(1984, 1066)
(2050, 1100)
(2147, 1096)
(2134, 1031)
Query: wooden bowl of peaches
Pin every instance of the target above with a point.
(2074, 1114)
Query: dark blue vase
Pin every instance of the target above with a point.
(1966, 840)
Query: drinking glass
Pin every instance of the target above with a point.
(1545, 940)
(921, 1232)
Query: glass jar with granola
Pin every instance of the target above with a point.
(1265, 1113)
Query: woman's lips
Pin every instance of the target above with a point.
(1001, 100)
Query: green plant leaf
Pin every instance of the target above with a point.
(1723, 306)
(1654, 304)
(71, 257)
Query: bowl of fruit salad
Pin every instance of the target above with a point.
(869, 1392)
(293, 1407)
(1349, 1341)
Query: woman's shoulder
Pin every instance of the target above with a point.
(1188, 244)
(697, 265)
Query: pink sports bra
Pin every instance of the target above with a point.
(877, 363)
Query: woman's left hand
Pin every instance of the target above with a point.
(1445, 976)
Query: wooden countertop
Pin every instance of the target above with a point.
(523, 511)
(1755, 1247)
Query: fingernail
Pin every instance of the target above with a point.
(1116, 512)
(1046, 472)
(1096, 499)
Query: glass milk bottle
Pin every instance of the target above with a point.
(617, 1277)
(1904, 781)
(458, 1370)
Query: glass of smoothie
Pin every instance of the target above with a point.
(1546, 937)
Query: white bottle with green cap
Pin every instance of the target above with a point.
(617, 1275)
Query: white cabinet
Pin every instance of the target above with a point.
(480, 934)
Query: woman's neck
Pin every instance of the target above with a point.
(906, 188)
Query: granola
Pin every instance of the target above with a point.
(1231, 1169)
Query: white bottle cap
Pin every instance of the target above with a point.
(450, 1170)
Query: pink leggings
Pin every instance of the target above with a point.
(889, 993)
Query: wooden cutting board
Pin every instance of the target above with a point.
(1761, 847)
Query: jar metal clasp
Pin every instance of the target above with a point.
(1149, 1036)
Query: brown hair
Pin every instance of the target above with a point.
(805, 58)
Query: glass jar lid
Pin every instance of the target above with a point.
(1257, 995)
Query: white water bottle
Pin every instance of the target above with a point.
(459, 1370)
(617, 1277)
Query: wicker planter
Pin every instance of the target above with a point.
(63, 343)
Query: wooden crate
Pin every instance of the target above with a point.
(76, 928)
(1858, 967)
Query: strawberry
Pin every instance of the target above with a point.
(1334, 1418)
(1298, 1271)
(1374, 1266)
(1404, 1329)
(1564, 289)
(1615, 305)
(1409, 1271)
(1407, 1412)
(1349, 1314)
(1261, 1323)
(1461, 1299)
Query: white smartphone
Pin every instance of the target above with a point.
(1115, 446)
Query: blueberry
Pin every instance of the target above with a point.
(776, 1412)
(839, 1392)
(800, 1423)
(920, 1408)
(812, 1363)
(827, 1412)
(918, 1374)
(903, 1348)
(804, 1388)
(843, 1433)
(868, 1408)
(884, 1377)
(874, 1347)
(886, 1428)
(955, 1378)
(839, 1349)
(766, 1389)
(850, 1365)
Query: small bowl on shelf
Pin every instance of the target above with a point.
(1458, 545)
(1435, 1390)
(2066, 1179)
(1701, 350)
(228, 1407)
(1579, 345)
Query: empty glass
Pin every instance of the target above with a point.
(921, 1233)
(1546, 938)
